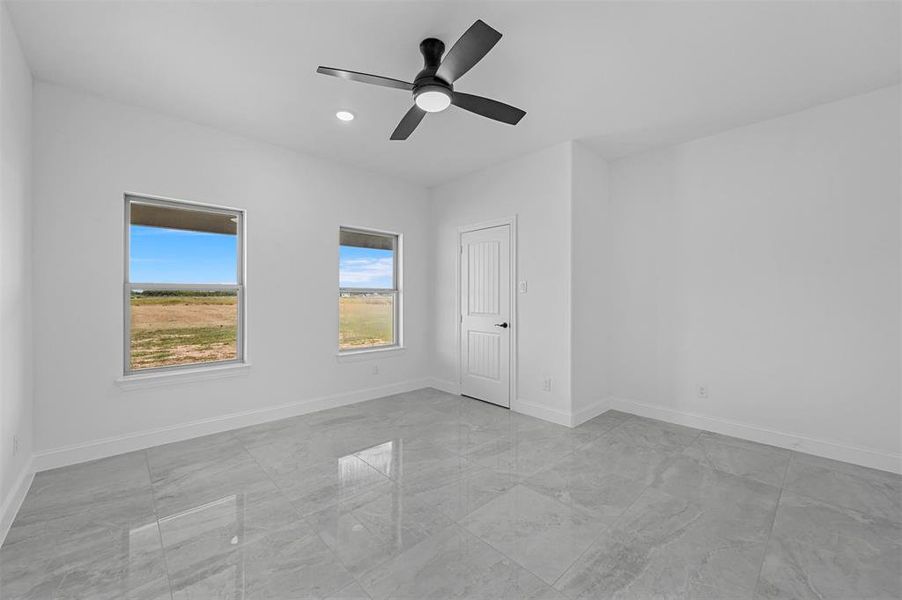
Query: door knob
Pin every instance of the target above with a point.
(502, 325)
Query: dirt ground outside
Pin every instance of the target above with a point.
(189, 329)
(179, 330)
(365, 321)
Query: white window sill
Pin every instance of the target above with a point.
(369, 354)
(158, 378)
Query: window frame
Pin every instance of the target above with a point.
(239, 286)
(396, 291)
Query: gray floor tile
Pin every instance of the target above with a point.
(401, 519)
(427, 495)
(358, 548)
(352, 592)
(665, 547)
(92, 563)
(196, 472)
(794, 570)
(461, 438)
(368, 535)
(617, 453)
(658, 433)
(525, 454)
(210, 531)
(603, 423)
(293, 429)
(313, 483)
(866, 490)
(112, 492)
(575, 482)
(818, 550)
(746, 459)
(541, 534)
(463, 495)
(292, 562)
(440, 476)
(453, 564)
(399, 458)
(744, 508)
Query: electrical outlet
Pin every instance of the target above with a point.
(702, 391)
(15, 445)
(546, 385)
(375, 370)
(522, 287)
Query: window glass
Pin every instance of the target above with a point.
(368, 290)
(365, 319)
(366, 261)
(171, 245)
(177, 327)
(184, 288)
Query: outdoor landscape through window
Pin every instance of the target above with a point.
(183, 285)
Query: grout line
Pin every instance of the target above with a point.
(773, 524)
(153, 501)
(490, 545)
(610, 528)
(306, 519)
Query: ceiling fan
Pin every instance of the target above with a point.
(433, 89)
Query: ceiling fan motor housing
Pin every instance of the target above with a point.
(432, 50)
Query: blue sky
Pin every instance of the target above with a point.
(172, 256)
(364, 267)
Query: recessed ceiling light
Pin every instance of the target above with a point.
(344, 115)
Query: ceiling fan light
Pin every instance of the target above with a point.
(433, 99)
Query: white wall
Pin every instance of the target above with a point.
(590, 295)
(536, 189)
(88, 152)
(15, 269)
(764, 263)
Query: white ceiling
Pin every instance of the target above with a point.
(623, 76)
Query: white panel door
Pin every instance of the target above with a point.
(485, 304)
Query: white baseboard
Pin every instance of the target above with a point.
(590, 412)
(444, 385)
(13, 501)
(541, 412)
(532, 409)
(139, 440)
(866, 457)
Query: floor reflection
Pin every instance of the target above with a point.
(213, 529)
(384, 457)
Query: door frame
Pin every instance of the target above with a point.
(514, 319)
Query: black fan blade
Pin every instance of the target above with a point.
(488, 108)
(408, 123)
(366, 78)
(469, 50)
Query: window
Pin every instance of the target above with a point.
(369, 295)
(184, 285)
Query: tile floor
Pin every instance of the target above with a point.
(428, 495)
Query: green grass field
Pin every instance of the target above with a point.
(182, 329)
(365, 321)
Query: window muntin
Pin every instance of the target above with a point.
(369, 290)
(184, 287)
